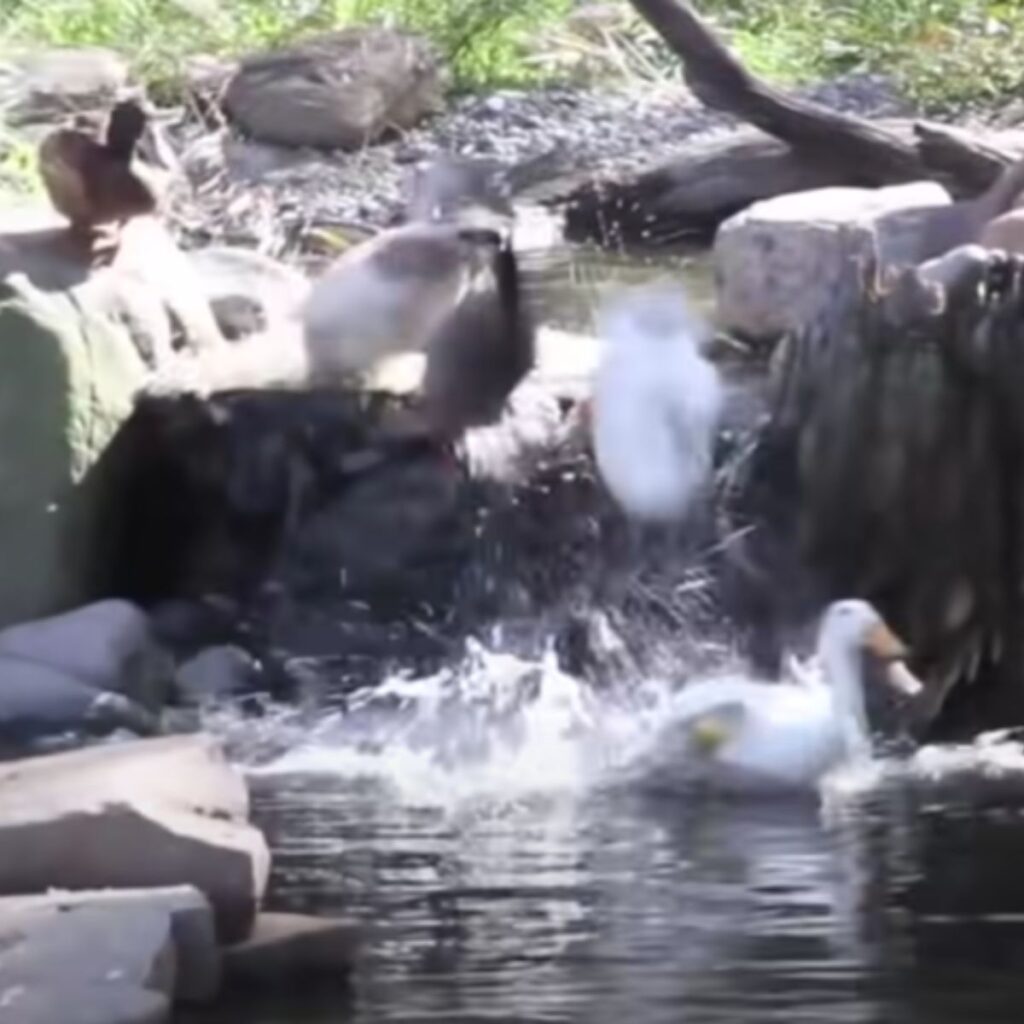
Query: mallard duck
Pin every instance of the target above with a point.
(391, 293)
(656, 404)
(94, 183)
(742, 734)
(480, 353)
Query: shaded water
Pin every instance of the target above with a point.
(500, 845)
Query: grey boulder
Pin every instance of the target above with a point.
(108, 645)
(37, 702)
(338, 89)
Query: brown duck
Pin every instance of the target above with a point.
(93, 183)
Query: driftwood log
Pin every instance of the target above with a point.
(799, 145)
(891, 469)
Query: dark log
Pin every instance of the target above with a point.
(808, 146)
(716, 77)
(901, 445)
(689, 196)
(692, 193)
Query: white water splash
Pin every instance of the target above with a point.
(494, 726)
(498, 728)
(991, 765)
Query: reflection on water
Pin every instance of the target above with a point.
(492, 890)
(567, 285)
(615, 908)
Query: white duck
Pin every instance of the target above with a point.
(746, 735)
(656, 404)
(391, 293)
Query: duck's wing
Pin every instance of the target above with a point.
(711, 729)
(64, 159)
(803, 673)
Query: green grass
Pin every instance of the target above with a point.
(943, 53)
(484, 40)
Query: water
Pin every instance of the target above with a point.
(512, 849)
(501, 869)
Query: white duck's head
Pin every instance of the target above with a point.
(654, 314)
(851, 629)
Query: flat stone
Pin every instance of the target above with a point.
(291, 948)
(198, 959)
(779, 263)
(159, 812)
(37, 701)
(87, 965)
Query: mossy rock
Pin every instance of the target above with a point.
(68, 379)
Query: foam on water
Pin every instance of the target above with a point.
(494, 726)
(499, 728)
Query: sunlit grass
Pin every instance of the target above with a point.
(484, 40)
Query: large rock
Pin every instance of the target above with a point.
(108, 645)
(249, 292)
(67, 379)
(337, 90)
(40, 705)
(192, 975)
(159, 812)
(46, 85)
(73, 350)
(781, 261)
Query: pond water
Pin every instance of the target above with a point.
(499, 840)
(506, 863)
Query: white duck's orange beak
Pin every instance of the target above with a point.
(901, 679)
(882, 642)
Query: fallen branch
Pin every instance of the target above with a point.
(719, 80)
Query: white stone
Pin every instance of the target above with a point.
(198, 962)
(779, 263)
(157, 812)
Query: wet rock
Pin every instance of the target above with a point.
(340, 89)
(48, 84)
(38, 702)
(197, 967)
(248, 291)
(782, 261)
(95, 965)
(160, 812)
(215, 672)
(291, 949)
(108, 645)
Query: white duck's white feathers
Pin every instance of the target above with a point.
(387, 295)
(656, 404)
(753, 735)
